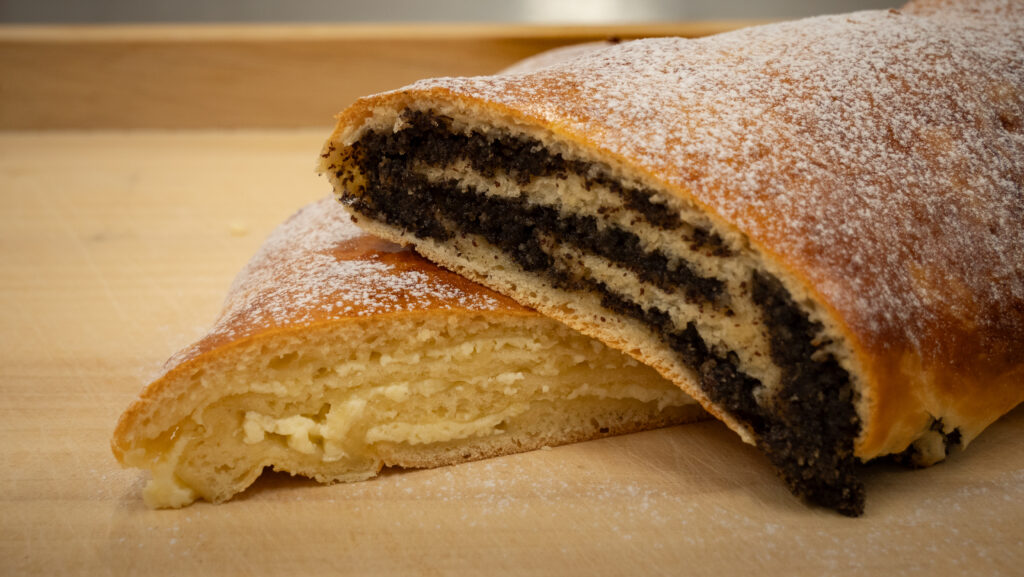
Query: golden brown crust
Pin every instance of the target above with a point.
(265, 298)
(315, 272)
(293, 375)
(873, 160)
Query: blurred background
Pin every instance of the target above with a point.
(326, 11)
(226, 64)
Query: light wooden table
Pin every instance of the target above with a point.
(116, 248)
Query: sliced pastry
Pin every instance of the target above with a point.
(814, 228)
(337, 354)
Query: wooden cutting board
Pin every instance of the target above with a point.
(117, 248)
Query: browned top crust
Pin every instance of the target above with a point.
(314, 270)
(876, 157)
(319, 267)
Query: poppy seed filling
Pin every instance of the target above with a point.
(806, 424)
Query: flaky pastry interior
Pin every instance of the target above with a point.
(338, 354)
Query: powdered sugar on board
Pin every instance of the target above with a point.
(879, 154)
(319, 267)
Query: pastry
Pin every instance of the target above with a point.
(338, 353)
(814, 227)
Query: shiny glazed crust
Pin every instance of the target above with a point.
(872, 162)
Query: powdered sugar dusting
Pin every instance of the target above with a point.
(554, 56)
(319, 267)
(881, 154)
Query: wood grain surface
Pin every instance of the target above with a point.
(117, 248)
(223, 76)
